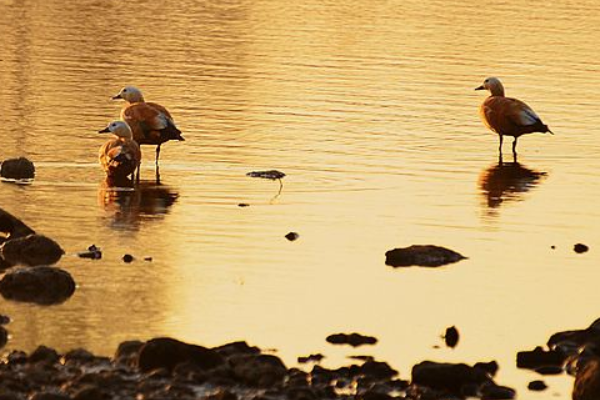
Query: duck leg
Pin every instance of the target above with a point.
(500, 146)
(156, 164)
(514, 149)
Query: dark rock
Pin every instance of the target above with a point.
(222, 394)
(243, 205)
(490, 367)
(446, 376)
(353, 339)
(9, 395)
(79, 356)
(301, 393)
(128, 352)
(3, 336)
(374, 395)
(362, 358)
(538, 358)
(451, 336)
(422, 255)
(549, 370)
(44, 354)
(16, 357)
(377, 369)
(577, 338)
(167, 353)
(587, 382)
(236, 348)
(261, 370)
(12, 226)
(89, 392)
(580, 248)
(4, 319)
(17, 168)
(492, 391)
(149, 259)
(271, 174)
(292, 236)
(128, 258)
(93, 253)
(311, 358)
(48, 395)
(42, 285)
(31, 250)
(537, 386)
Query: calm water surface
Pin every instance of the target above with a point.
(369, 108)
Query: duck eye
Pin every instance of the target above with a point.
(124, 90)
(486, 81)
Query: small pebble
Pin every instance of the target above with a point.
(128, 258)
(243, 205)
(537, 386)
(553, 247)
(149, 259)
(580, 248)
(292, 236)
(451, 337)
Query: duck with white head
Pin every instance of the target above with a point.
(120, 156)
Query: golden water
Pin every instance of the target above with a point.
(369, 108)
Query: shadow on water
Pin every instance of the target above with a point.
(130, 203)
(508, 181)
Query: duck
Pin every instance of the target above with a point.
(121, 155)
(507, 116)
(150, 122)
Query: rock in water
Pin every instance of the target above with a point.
(451, 337)
(31, 250)
(41, 284)
(353, 339)
(446, 376)
(421, 255)
(17, 168)
(167, 353)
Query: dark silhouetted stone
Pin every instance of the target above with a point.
(42, 284)
(353, 339)
(311, 358)
(89, 392)
(3, 336)
(44, 354)
(167, 353)
(539, 358)
(490, 367)
(446, 376)
(236, 348)
(243, 205)
(292, 236)
(93, 253)
(4, 319)
(549, 370)
(537, 386)
(31, 250)
(49, 395)
(451, 337)
(587, 382)
(262, 370)
(17, 168)
(128, 258)
(421, 255)
(580, 248)
(271, 174)
(378, 370)
(491, 391)
(128, 352)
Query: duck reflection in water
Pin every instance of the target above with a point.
(508, 181)
(130, 203)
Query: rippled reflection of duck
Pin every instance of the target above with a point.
(130, 203)
(507, 181)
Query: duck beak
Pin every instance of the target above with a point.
(117, 97)
(105, 130)
(479, 88)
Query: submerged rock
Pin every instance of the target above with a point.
(311, 358)
(539, 358)
(580, 248)
(260, 370)
(421, 255)
(3, 336)
(41, 284)
(292, 236)
(17, 168)
(167, 353)
(31, 250)
(448, 377)
(353, 339)
(537, 386)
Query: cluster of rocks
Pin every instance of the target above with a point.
(165, 368)
(26, 258)
(576, 352)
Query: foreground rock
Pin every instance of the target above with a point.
(42, 285)
(422, 255)
(165, 368)
(17, 168)
(31, 250)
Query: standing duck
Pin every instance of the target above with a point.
(151, 123)
(507, 116)
(121, 155)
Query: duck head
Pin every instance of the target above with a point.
(493, 85)
(130, 94)
(119, 129)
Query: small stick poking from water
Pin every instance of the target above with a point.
(272, 175)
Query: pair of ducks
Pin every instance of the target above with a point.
(151, 123)
(141, 123)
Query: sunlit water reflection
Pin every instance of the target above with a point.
(369, 109)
